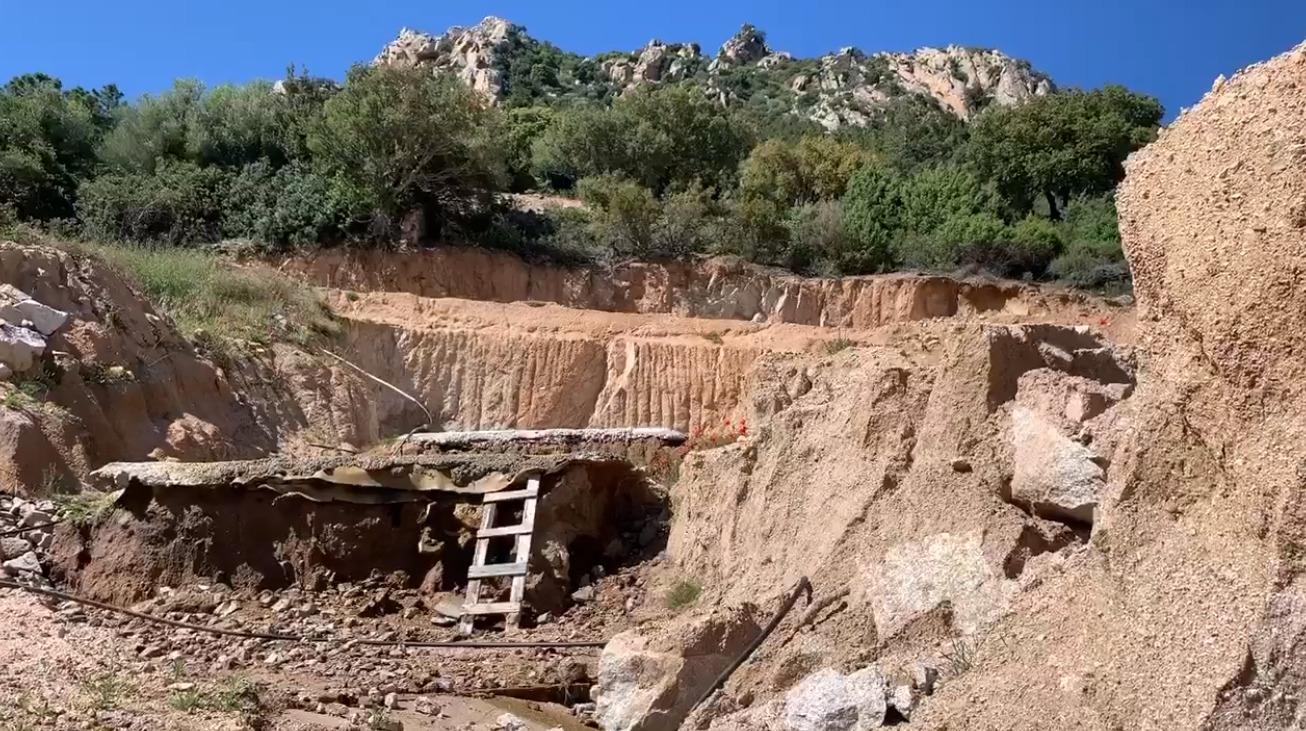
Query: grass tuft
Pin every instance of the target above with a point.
(683, 593)
(838, 345)
(216, 303)
(85, 508)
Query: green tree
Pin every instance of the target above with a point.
(157, 129)
(934, 195)
(582, 141)
(47, 145)
(236, 125)
(1061, 145)
(873, 215)
(909, 132)
(813, 169)
(662, 138)
(405, 141)
(522, 126)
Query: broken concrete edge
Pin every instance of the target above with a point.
(361, 479)
(533, 436)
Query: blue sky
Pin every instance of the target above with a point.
(1170, 49)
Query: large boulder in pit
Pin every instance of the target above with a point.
(1055, 475)
(650, 681)
(830, 701)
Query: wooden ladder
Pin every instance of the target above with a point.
(523, 532)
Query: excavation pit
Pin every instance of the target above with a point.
(411, 519)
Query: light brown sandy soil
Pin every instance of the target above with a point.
(723, 288)
(474, 364)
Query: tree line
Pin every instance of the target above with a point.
(397, 155)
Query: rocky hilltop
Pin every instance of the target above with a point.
(838, 89)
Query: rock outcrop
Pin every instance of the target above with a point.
(836, 90)
(656, 63)
(469, 53)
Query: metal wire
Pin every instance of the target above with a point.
(475, 645)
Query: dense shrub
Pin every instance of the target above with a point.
(665, 170)
(813, 169)
(180, 204)
(873, 213)
(661, 138)
(818, 238)
(292, 205)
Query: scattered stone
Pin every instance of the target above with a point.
(509, 722)
(380, 605)
(391, 701)
(926, 676)
(13, 547)
(583, 594)
(35, 517)
(961, 464)
(661, 674)
(1057, 476)
(26, 563)
(19, 346)
(17, 307)
(426, 706)
(181, 687)
(902, 698)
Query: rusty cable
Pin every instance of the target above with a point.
(17, 531)
(802, 587)
(482, 645)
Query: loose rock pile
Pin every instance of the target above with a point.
(24, 326)
(26, 533)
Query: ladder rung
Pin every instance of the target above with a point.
(507, 530)
(498, 569)
(493, 608)
(499, 497)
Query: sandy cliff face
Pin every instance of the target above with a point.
(720, 288)
(655, 346)
(1212, 216)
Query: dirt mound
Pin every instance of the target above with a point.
(886, 475)
(1214, 221)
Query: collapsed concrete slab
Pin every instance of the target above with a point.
(304, 522)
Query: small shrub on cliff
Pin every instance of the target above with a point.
(683, 593)
(85, 508)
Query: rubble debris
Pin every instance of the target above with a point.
(26, 533)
